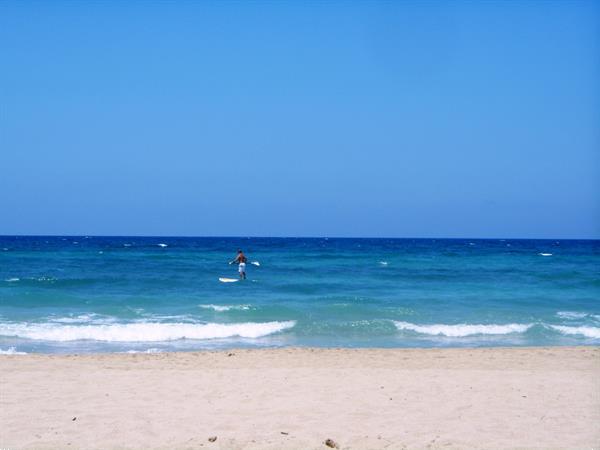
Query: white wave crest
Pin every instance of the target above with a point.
(142, 332)
(462, 329)
(545, 254)
(12, 280)
(223, 308)
(11, 351)
(162, 245)
(589, 332)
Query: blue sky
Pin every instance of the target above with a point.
(395, 119)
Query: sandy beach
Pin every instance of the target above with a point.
(292, 398)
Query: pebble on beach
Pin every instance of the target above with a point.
(331, 443)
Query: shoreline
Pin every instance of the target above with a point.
(297, 397)
(295, 348)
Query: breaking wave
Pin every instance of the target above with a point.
(588, 332)
(142, 331)
(461, 330)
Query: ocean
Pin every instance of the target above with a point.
(80, 294)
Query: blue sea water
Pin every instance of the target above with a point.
(133, 294)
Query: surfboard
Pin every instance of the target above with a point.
(228, 280)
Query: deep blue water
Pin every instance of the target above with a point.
(88, 294)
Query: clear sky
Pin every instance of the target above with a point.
(389, 119)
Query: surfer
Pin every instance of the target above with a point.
(241, 260)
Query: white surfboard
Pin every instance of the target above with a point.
(228, 280)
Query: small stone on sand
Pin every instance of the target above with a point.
(331, 443)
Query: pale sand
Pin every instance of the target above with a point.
(362, 399)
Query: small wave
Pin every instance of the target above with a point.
(462, 330)
(572, 315)
(167, 318)
(222, 308)
(150, 350)
(162, 245)
(589, 332)
(545, 254)
(44, 279)
(142, 332)
(11, 351)
(82, 318)
(383, 263)
(77, 319)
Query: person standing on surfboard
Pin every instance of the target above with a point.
(241, 260)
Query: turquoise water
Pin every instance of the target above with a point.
(119, 294)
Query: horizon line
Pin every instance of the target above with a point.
(296, 237)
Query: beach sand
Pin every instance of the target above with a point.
(292, 398)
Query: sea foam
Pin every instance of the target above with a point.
(11, 351)
(142, 332)
(461, 330)
(149, 351)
